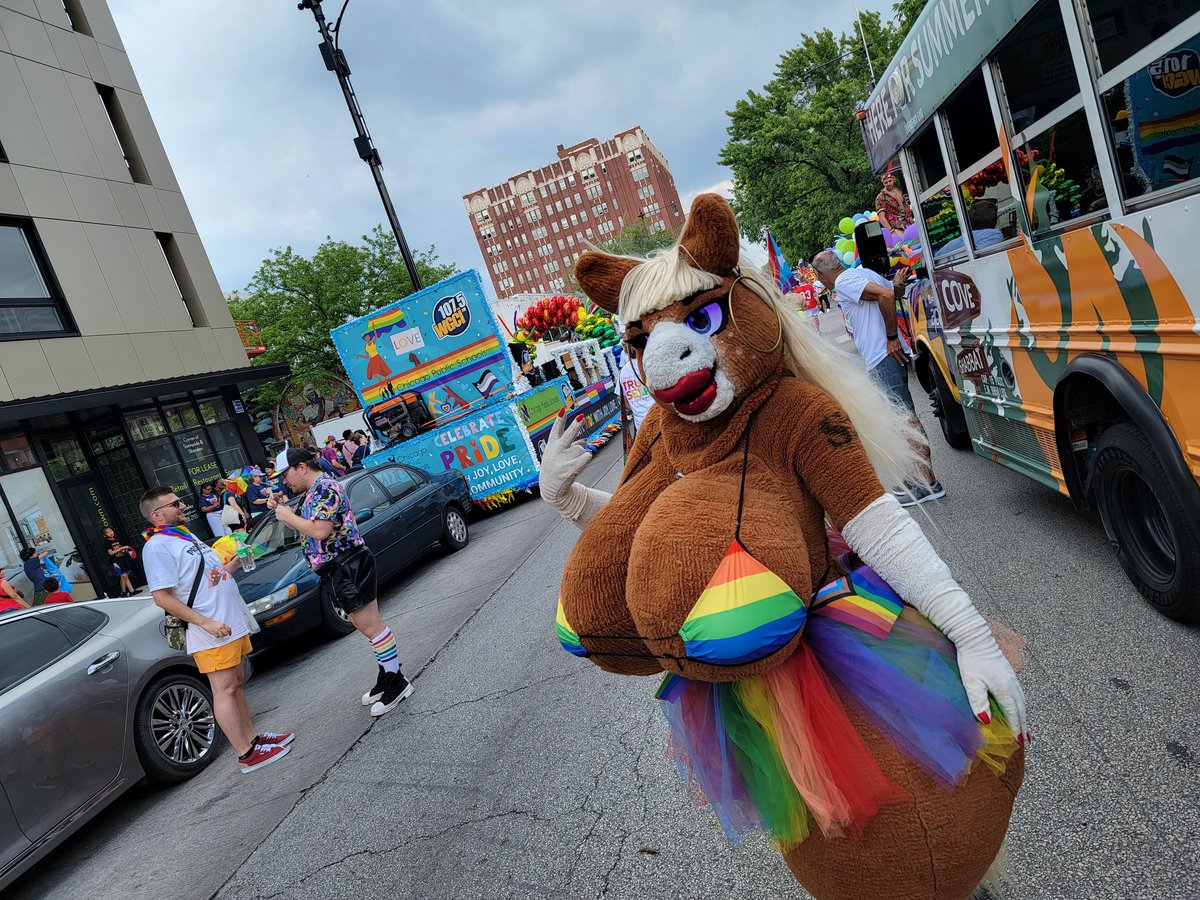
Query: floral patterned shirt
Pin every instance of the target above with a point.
(326, 499)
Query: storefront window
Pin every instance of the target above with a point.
(1154, 122)
(120, 474)
(1120, 29)
(162, 466)
(198, 457)
(1060, 165)
(181, 416)
(39, 524)
(16, 452)
(231, 453)
(145, 424)
(214, 410)
(941, 222)
(66, 458)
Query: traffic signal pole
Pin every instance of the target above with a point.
(335, 61)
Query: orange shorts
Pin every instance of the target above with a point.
(224, 657)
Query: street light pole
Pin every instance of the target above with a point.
(335, 61)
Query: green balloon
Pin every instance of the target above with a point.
(846, 226)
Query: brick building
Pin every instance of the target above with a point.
(531, 227)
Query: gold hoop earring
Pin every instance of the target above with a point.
(737, 328)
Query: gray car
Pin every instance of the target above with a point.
(92, 701)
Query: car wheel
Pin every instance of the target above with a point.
(949, 413)
(454, 528)
(1154, 528)
(334, 622)
(174, 729)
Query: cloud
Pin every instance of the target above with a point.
(458, 94)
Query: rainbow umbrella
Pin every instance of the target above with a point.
(238, 480)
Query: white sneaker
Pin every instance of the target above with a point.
(913, 494)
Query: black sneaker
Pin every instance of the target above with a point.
(395, 688)
(376, 692)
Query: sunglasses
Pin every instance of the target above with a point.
(178, 504)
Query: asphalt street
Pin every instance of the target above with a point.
(519, 771)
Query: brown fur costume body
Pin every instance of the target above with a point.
(648, 554)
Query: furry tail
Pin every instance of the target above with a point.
(997, 878)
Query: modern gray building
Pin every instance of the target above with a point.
(119, 362)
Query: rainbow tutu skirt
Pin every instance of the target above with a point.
(778, 753)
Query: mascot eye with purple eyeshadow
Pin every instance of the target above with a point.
(708, 319)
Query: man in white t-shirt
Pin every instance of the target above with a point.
(188, 581)
(869, 303)
(637, 395)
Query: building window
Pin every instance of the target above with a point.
(123, 133)
(600, 209)
(79, 21)
(1121, 30)
(482, 216)
(30, 304)
(634, 155)
(588, 232)
(527, 198)
(646, 192)
(571, 180)
(595, 192)
(183, 282)
(15, 453)
(588, 174)
(650, 209)
(553, 188)
(542, 190)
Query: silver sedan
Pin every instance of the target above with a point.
(92, 701)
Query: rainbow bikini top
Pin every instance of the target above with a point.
(746, 612)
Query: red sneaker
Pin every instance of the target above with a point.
(270, 737)
(262, 755)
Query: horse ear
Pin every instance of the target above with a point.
(710, 236)
(600, 275)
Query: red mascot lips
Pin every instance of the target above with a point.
(690, 395)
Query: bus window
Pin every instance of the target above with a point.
(1120, 29)
(927, 154)
(991, 208)
(941, 223)
(972, 127)
(1036, 66)
(1153, 121)
(1060, 164)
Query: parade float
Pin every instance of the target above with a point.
(442, 388)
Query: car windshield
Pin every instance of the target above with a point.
(272, 535)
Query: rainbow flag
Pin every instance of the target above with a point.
(488, 348)
(747, 612)
(391, 318)
(861, 599)
(780, 270)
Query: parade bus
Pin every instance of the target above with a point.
(1052, 152)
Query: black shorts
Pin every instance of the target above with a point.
(350, 579)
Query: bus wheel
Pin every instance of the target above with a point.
(1154, 528)
(949, 413)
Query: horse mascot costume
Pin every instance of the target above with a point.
(841, 706)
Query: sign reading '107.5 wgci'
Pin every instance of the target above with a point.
(451, 316)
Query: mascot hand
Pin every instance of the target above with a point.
(888, 540)
(562, 461)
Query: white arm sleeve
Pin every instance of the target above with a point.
(887, 539)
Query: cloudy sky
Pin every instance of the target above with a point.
(458, 94)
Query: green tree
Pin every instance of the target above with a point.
(795, 147)
(635, 239)
(296, 300)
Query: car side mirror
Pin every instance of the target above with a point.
(364, 515)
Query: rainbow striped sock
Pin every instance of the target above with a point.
(383, 645)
